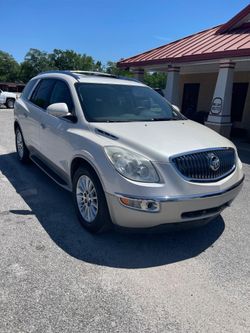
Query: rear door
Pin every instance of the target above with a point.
(25, 116)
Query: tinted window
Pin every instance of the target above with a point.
(61, 94)
(121, 103)
(29, 86)
(42, 93)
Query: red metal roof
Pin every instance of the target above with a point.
(231, 39)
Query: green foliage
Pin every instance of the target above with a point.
(111, 68)
(155, 80)
(9, 68)
(37, 61)
(70, 60)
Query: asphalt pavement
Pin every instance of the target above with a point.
(56, 277)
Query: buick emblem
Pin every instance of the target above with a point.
(214, 162)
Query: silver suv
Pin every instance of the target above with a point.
(129, 157)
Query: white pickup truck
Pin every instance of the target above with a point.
(8, 99)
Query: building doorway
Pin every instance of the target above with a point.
(190, 99)
(238, 100)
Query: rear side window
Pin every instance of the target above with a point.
(28, 88)
(42, 93)
(61, 94)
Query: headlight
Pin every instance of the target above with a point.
(132, 165)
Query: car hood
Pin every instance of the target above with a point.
(159, 140)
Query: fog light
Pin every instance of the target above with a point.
(141, 204)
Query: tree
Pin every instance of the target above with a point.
(35, 62)
(9, 68)
(155, 80)
(111, 68)
(66, 60)
(99, 67)
(70, 60)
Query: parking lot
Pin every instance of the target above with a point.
(56, 277)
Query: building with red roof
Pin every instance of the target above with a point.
(208, 74)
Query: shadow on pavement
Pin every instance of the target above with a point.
(53, 208)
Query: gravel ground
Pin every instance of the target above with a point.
(56, 277)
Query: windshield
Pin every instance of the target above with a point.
(123, 103)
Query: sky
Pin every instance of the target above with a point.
(108, 29)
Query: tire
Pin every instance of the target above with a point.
(10, 103)
(90, 201)
(21, 149)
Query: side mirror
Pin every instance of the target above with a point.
(176, 108)
(58, 109)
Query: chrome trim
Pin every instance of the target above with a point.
(198, 151)
(210, 180)
(195, 180)
(182, 198)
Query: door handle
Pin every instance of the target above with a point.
(43, 126)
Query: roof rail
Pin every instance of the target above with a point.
(76, 74)
(71, 73)
(94, 73)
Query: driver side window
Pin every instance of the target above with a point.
(61, 94)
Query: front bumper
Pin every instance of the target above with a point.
(172, 209)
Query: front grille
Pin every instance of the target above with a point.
(204, 166)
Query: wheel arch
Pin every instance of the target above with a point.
(10, 99)
(83, 161)
(16, 124)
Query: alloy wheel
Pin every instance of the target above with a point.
(19, 143)
(87, 200)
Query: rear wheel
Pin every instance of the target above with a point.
(10, 103)
(22, 150)
(90, 201)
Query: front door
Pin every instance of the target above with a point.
(190, 99)
(54, 133)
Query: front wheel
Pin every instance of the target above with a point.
(90, 201)
(22, 150)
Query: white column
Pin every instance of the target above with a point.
(219, 118)
(138, 74)
(171, 92)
